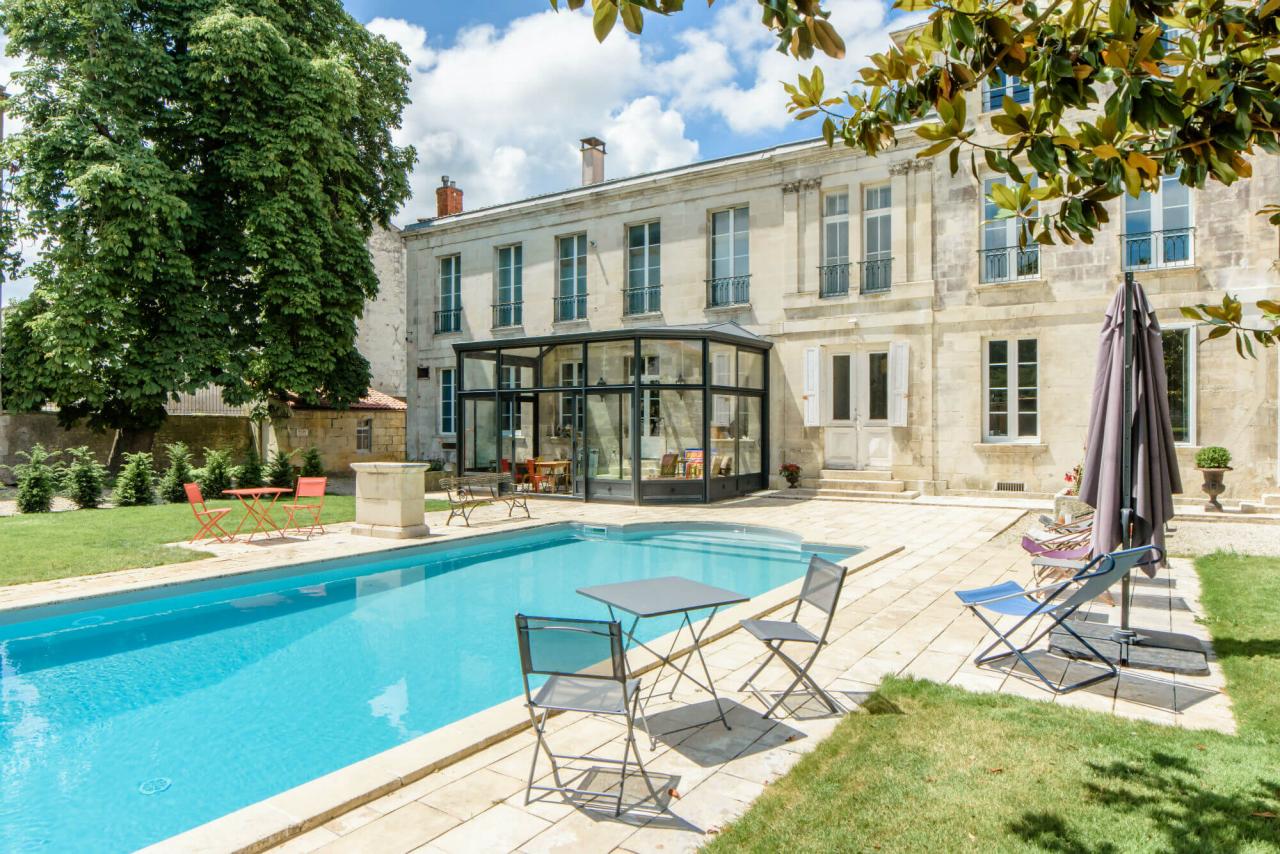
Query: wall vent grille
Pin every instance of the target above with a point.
(1010, 486)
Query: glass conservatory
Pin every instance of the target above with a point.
(646, 415)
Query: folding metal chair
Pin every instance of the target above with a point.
(821, 590)
(585, 664)
(208, 519)
(308, 487)
(1060, 600)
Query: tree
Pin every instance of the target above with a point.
(1126, 93)
(201, 177)
(136, 484)
(38, 480)
(280, 471)
(312, 463)
(83, 478)
(215, 477)
(249, 473)
(178, 474)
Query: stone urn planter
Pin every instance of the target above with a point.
(433, 479)
(1213, 486)
(1067, 505)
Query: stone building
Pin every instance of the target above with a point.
(914, 346)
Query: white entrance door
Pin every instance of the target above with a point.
(857, 430)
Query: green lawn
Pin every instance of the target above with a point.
(85, 542)
(933, 768)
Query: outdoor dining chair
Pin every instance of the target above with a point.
(585, 665)
(308, 487)
(207, 519)
(1055, 603)
(821, 590)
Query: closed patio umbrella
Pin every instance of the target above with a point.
(1130, 469)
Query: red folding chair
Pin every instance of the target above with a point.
(207, 518)
(308, 487)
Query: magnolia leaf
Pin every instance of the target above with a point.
(1004, 197)
(1106, 151)
(1191, 313)
(1218, 332)
(632, 17)
(936, 148)
(606, 14)
(827, 38)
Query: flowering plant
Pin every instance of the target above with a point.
(1073, 478)
(791, 472)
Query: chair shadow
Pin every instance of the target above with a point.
(1149, 691)
(639, 806)
(695, 731)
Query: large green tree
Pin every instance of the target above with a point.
(201, 177)
(1126, 92)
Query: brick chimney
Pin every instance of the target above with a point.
(592, 161)
(448, 197)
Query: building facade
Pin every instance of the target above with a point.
(915, 345)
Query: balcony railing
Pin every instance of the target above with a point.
(1172, 247)
(572, 307)
(449, 320)
(729, 290)
(507, 314)
(833, 280)
(874, 275)
(642, 300)
(1006, 263)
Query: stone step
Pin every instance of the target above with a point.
(1271, 499)
(888, 486)
(867, 495)
(855, 474)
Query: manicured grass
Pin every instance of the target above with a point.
(934, 768)
(86, 542)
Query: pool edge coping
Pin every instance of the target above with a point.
(295, 811)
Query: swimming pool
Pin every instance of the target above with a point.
(127, 719)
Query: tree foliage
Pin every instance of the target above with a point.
(312, 463)
(201, 177)
(136, 483)
(249, 473)
(178, 474)
(280, 470)
(1126, 92)
(38, 477)
(215, 477)
(84, 478)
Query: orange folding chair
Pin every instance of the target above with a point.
(308, 487)
(207, 518)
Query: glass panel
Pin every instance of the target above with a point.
(608, 445)
(724, 364)
(840, 387)
(741, 261)
(1177, 365)
(878, 386)
(677, 362)
(724, 427)
(447, 401)
(721, 245)
(666, 446)
(609, 362)
(479, 369)
(1028, 393)
(519, 368)
(554, 360)
(749, 434)
(1137, 213)
(558, 431)
(750, 368)
(481, 435)
(836, 204)
(997, 351)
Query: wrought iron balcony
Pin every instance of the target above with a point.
(448, 320)
(833, 280)
(874, 275)
(1007, 263)
(1172, 247)
(642, 300)
(572, 307)
(507, 314)
(728, 290)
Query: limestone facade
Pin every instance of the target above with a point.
(897, 373)
(380, 333)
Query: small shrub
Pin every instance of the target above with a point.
(85, 478)
(312, 465)
(136, 484)
(1213, 457)
(178, 474)
(435, 464)
(249, 474)
(37, 480)
(280, 471)
(215, 477)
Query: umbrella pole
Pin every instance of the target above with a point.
(1126, 635)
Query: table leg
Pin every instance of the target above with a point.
(664, 660)
(245, 518)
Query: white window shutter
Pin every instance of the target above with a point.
(811, 386)
(899, 379)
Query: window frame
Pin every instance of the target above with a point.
(1156, 214)
(1011, 389)
(579, 279)
(836, 219)
(876, 214)
(364, 435)
(735, 212)
(514, 287)
(1010, 86)
(455, 282)
(577, 419)
(1011, 227)
(1193, 344)
(452, 400)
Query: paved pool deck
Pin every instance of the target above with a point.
(896, 616)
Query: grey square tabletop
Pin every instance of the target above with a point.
(657, 597)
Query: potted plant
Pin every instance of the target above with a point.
(1212, 462)
(1066, 503)
(791, 472)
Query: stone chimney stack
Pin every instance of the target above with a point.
(448, 197)
(592, 161)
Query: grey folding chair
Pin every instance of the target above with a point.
(585, 665)
(821, 590)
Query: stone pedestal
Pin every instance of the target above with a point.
(389, 500)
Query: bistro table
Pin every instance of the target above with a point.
(667, 596)
(553, 469)
(251, 498)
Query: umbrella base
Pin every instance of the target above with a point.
(1150, 650)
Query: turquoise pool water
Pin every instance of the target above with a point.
(128, 719)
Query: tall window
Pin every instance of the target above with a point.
(571, 296)
(509, 309)
(364, 435)
(1013, 390)
(995, 89)
(644, 268)
(730, 258)
(448, 422)
(1003, 258)
(511, 414)
(834, 275)
(1157, 228)
(449, 314)
(877, 243)
(1179, 365)
(572, 413)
